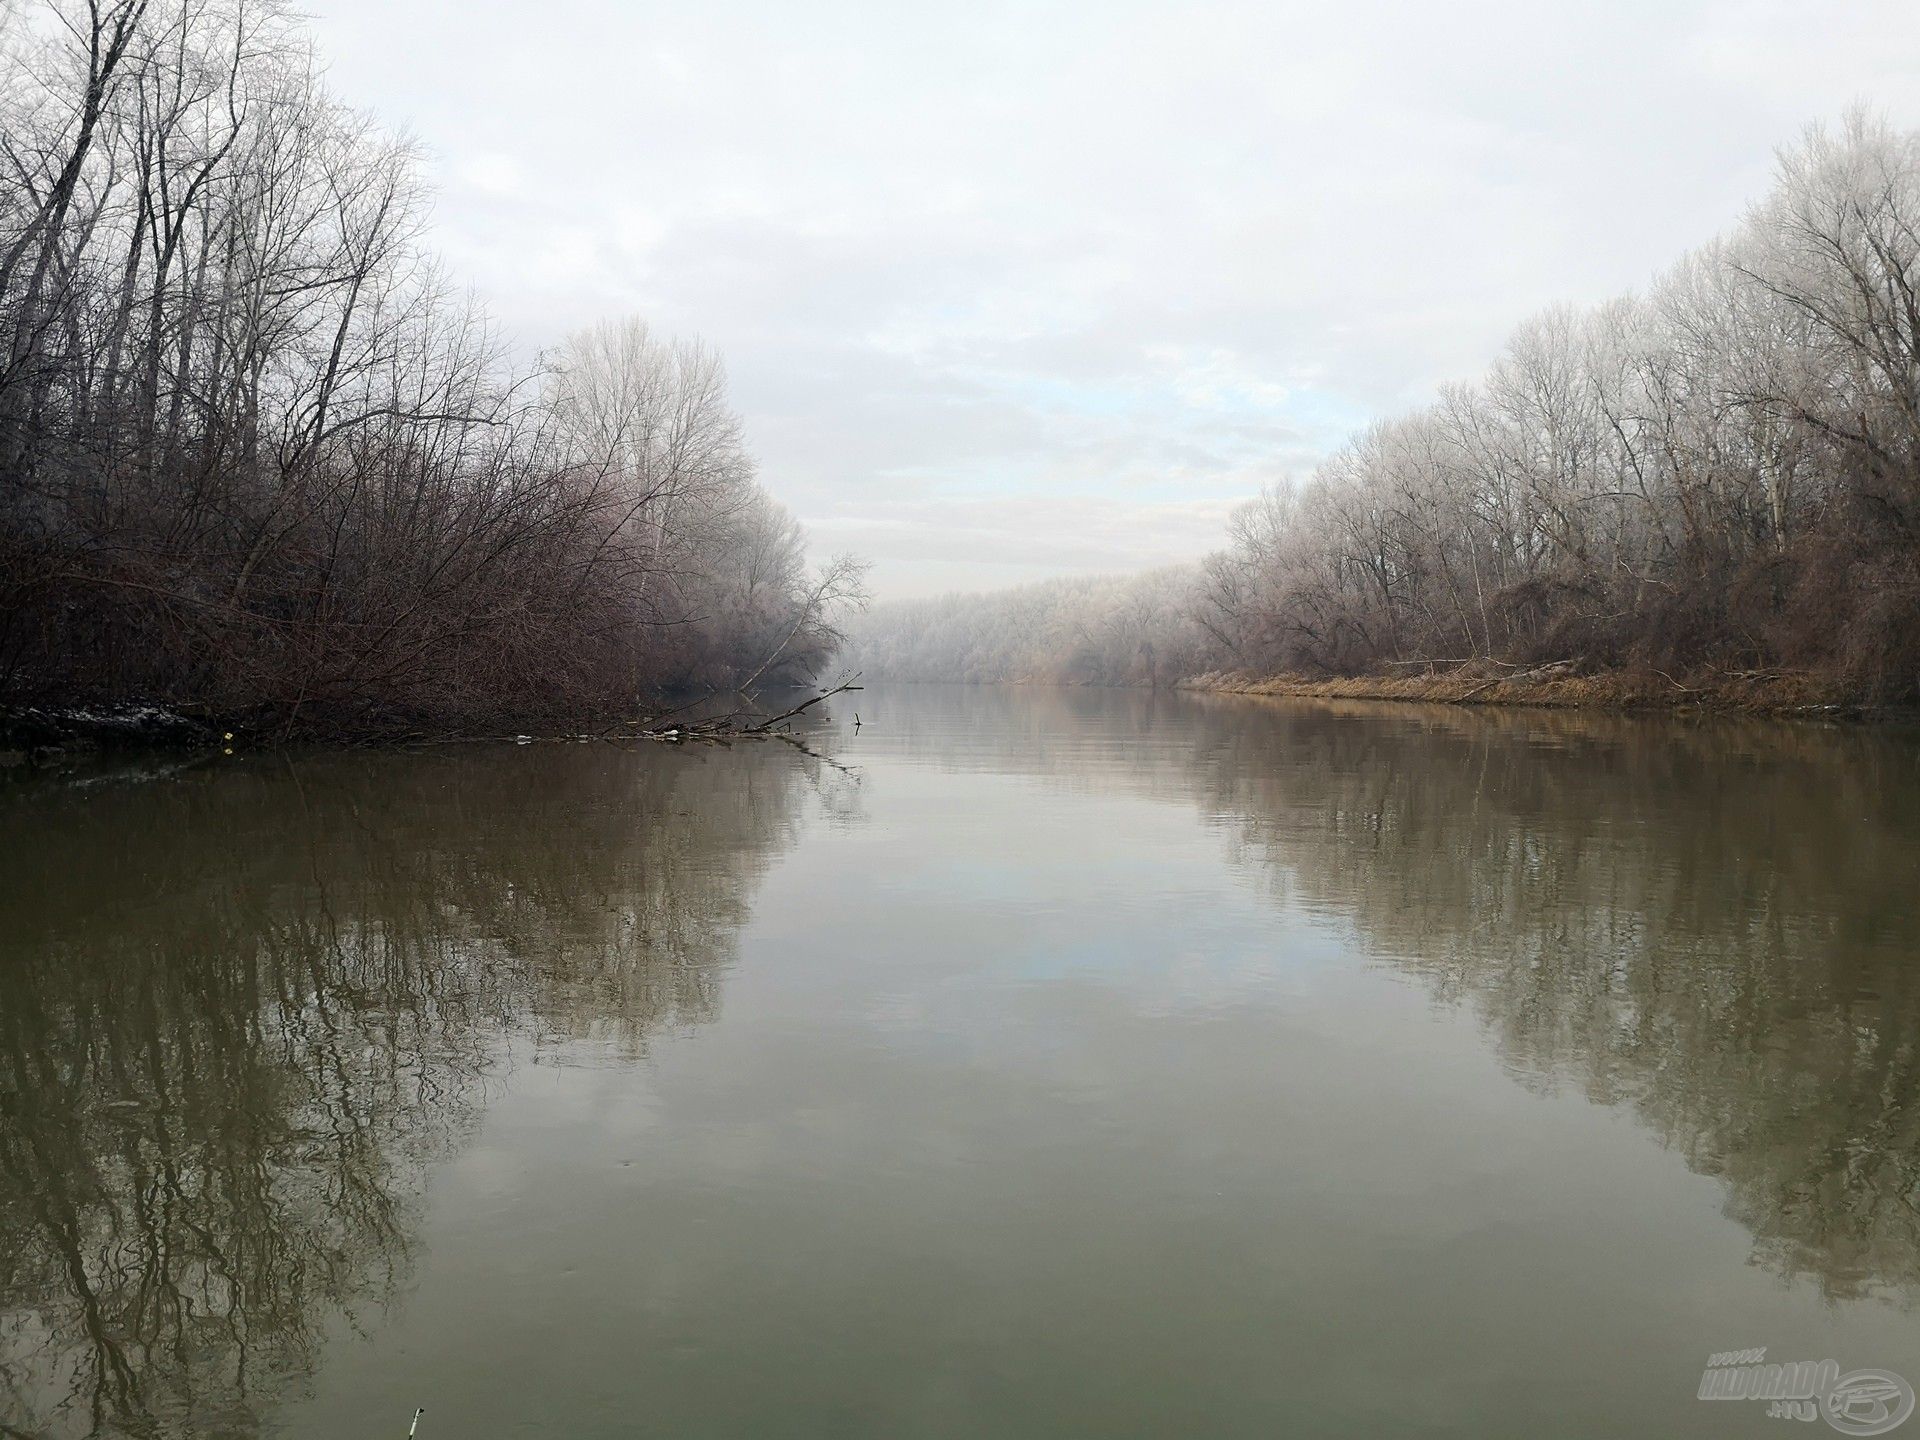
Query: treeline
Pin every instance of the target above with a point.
(258, 453)
(1719, 476)
(1101, 630)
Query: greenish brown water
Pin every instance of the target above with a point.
(1078, 1064)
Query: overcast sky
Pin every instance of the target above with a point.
(1008, 291)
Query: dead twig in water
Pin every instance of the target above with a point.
(724, 729)
(766, 726)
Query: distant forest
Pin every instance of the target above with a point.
(258, 453)
(1719, 476)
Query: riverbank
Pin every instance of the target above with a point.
(1759, 692)
(35, 735)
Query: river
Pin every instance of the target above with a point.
(1022, 1063)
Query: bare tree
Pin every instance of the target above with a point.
(256, 451)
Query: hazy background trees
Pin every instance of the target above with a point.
(256, 451)
(1722, 474)
(1105, 630)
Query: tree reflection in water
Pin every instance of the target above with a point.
(1716, 927)
(1715, 924)
(245, 1008)
(242, 1009)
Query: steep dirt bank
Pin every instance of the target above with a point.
(1773, 692)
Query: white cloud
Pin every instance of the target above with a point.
(491, 172)
(1030, 259)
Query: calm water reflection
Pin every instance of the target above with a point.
(1081, 1063)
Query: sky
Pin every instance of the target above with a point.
(1012, 291)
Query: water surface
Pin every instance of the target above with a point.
(1049, 1063)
